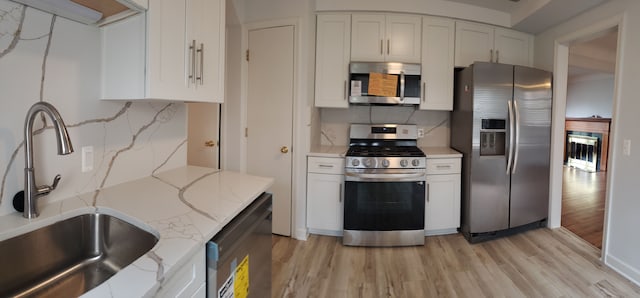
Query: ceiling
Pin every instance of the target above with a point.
(535, 16)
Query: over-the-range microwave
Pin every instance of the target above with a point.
(384, 83)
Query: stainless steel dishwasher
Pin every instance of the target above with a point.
(239, 256)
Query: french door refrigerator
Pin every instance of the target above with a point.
(502, 124)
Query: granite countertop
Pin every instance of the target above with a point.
(184, 207)
(440, 152)
(328, 151)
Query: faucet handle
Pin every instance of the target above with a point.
(56, 179)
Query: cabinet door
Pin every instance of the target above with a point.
(474, 42)
(442, 209)
(438, 42)
(324, 203)
(403, 35)
(167, 50)
(367, 37)
(333, 47)
(206, 19)
(513, 47)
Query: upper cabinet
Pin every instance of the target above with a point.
(174, 52)
(379, 38)
(333, 47)
(438, 43)
(477, 42)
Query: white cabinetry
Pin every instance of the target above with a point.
(189, 280)
(442, 209)
(333, 49)
(174, 51)
(325, 184)
(477, 42)
(438, 42)
(379, 38)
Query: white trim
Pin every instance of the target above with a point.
(624, 269)
(559, 110)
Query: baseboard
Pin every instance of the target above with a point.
(623, 268)
(440, 232)
(326, 232)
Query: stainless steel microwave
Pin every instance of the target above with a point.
(384, 83)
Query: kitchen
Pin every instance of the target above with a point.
(131, 131)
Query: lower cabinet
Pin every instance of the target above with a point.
(189, 280)
(325, 186)
(442, 208)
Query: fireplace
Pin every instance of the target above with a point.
(582, 152)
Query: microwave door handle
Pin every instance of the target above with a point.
(402, 86)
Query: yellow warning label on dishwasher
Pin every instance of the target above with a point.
(241, 283)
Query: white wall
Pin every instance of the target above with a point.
(124, 148)
(621, 251)
(590, 95)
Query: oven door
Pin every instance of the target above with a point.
(383, 200)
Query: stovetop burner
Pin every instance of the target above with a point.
(385, 151)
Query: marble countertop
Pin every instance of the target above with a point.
(328, 151)
(184, 207)
(440, 152)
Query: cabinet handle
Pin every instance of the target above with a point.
(326, 166)
(201, 51)
(345, 90)
(192, 58)
(497, 56)
(341, 193)
(491, 58)
(424, 91)
(443, 167)
(381, 45)
(388, 46)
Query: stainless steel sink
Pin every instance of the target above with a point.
(70, 257)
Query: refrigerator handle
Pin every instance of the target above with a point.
(517, 148)
(511, 136)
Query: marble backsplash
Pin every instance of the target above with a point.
(48, 58)
(334, 123)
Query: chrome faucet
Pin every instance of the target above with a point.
(31, 190)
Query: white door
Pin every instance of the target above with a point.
(333, 48)
(203, 134)
(367, 37)
(270, 115)
(438, 44)
(512, 47)
(403, 38)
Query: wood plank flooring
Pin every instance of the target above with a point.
(583, 200)
(538, 263)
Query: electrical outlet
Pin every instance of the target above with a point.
(87, 158)
(420, 132)
(626, 147)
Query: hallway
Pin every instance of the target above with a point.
(583, 201)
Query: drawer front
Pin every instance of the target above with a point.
(438, 166)
(325, 165)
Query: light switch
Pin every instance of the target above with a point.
(626, 147)
(87, 158)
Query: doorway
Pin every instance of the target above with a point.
(269, 131)
(560, 106)
(203, 135)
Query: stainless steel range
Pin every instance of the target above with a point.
(384, 186)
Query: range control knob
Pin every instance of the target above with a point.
(404, 163)
(385, 163)
(415, 162)
(355, 162)
(367, 162)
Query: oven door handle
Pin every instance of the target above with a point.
(410, 177)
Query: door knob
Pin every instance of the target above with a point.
(209, 143)
(284, 149)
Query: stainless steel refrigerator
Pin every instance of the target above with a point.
(502, 125)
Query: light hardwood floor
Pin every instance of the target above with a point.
(538, 263)
(583, 200)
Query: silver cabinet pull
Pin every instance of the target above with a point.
(428, 193)
(497, 56)
(345, 90)
(326, 166)
(388, 46)
(341, 193)
(424, 91)
(381, 46)
(443, 167)
(192, 66)
(201, 75)
(491, 57)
